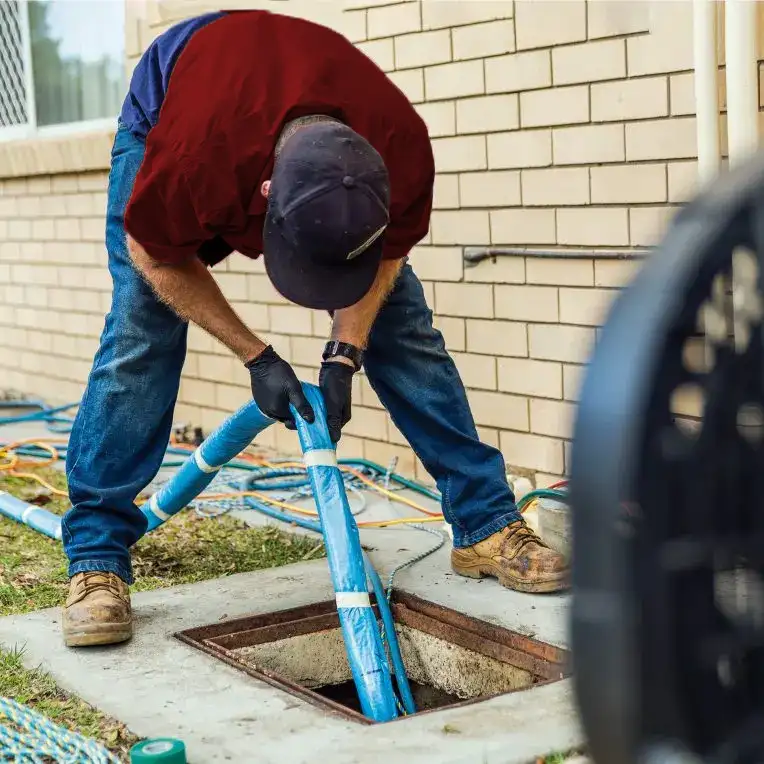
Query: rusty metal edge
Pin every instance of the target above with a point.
(479, 644)
(482, 628)
(276, 631)
(282, 630)
(500, 634)
(272, 678)
(253, 622)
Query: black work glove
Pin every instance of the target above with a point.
(336, 383)
(275, 386)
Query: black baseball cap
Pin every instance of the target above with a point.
(328, 208)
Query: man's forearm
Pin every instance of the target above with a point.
(190, 290)
(353, 324)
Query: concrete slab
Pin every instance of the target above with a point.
(159, 686)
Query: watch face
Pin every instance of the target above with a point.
(344, 349)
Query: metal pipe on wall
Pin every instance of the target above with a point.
(706, 88)
(474, 255)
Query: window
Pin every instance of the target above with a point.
(61, 64)
(13, 102)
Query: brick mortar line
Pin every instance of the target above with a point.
(5, 190)
(572, 166)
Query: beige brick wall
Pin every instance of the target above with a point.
(563, 125)
(54, 286)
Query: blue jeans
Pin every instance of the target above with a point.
(125, 418)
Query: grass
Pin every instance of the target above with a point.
(37, 690)
(184, 550)
(560, 757)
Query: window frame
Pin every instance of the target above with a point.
(31, 130)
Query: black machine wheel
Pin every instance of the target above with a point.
(668, 502)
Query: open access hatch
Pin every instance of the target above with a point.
(451, 659)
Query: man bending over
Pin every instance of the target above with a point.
(262, 134)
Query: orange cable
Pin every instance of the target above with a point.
(45, 444)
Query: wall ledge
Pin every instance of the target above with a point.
(57, 155)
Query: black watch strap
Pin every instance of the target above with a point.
(335, 348)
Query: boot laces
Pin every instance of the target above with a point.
(96, 581)
(518, 535)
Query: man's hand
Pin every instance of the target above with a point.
(336, 382)
(352, 325)
(275, 386)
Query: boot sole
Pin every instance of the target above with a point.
(110, 634)
(555, 583)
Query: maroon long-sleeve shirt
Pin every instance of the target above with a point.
(212, 95)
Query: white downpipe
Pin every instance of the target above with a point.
(706, 61)
(706, 89)
(742, 112)
(742, 79)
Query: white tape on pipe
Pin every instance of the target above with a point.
(352, 599)
(154, 507)
(320, 457)
(25, 514)
(201, 464)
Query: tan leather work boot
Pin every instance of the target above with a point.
(97, 610)
(517, 557)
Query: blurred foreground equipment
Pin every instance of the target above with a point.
(667, 497)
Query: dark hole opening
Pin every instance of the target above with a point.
(426, 696)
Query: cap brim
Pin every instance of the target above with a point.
(313, 285)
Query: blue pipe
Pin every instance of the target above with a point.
(37, 518)
(363, 641)
(198, 471)
(379, 593)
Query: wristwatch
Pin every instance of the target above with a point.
(335, 348)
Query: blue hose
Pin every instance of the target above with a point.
(392, 637)
(379, 593)
(363, 641)
(37, 518)
(45, 414)
(282, 516)
(198, 471)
